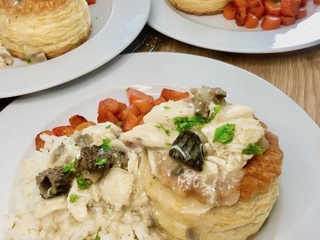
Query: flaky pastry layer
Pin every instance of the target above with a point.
(50, 27)
(258, 193)
(199, 7)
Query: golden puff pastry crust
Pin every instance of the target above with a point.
(199, 7)
(258, 193)
(52, 27)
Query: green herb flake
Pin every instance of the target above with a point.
(97, 237)
(73, 198)
(109, 126)
(216, 110)
(252, 149)
(120, 123)
(106, 144)
(28, 61)
(82, 183)
(187, 123)
(71, 167)
(225, 133)
(101, 161)
(167, 132)
(166, 107)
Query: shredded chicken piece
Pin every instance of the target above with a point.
(5, 58)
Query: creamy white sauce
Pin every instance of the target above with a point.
(223, 162)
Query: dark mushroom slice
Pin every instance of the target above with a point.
(188, 149)
(202, 97)
(54, 182)
(93, 162)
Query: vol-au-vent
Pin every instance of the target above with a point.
(43, 29)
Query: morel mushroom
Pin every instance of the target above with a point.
(188, 149)
(204, 96)
(54, 182)
(94, 162)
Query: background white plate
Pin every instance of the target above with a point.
(297, 211)
(217, 33)
(115, 24)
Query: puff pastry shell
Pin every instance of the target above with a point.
(258, 193)
(199, 7)
(52, 27)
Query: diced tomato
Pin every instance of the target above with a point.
(287, 21)
(270, 22)
(230, 11)
(240, 3)
(289, 8)
(257, 8)
(140, 117)
(109, 104)
(273, 8)
(91, 2)
(84, 125)
(316, 2)
(251, 21)
(241, 16)
(130, 109)
(107, 116)
(159, 100)
(144, 106)
(170, 94)
(134, 94)
(302, 13)
(62, 130)
(75, 120)
(130, 122)
(38, 140)
(122, 107)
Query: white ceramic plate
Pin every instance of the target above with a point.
(297, 211)
(115, 24)
(217, 33)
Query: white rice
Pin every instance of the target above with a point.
(36, 218)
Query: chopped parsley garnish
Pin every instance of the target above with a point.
(71, 167)
(28, 61)
(97, 237)
(106, 144)
(160, 126)
(225, 133)
(252, 149)
(166, 107)
(216, 110)
(73, 198)
(101, 161)
(109, 126)
(82, 183)
(186, 123)
(120, 123)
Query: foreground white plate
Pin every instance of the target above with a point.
(217, 33)
(115, 24)
(297, 210)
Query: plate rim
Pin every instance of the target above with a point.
(127, 61)
(18, 81)
(160, 8)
